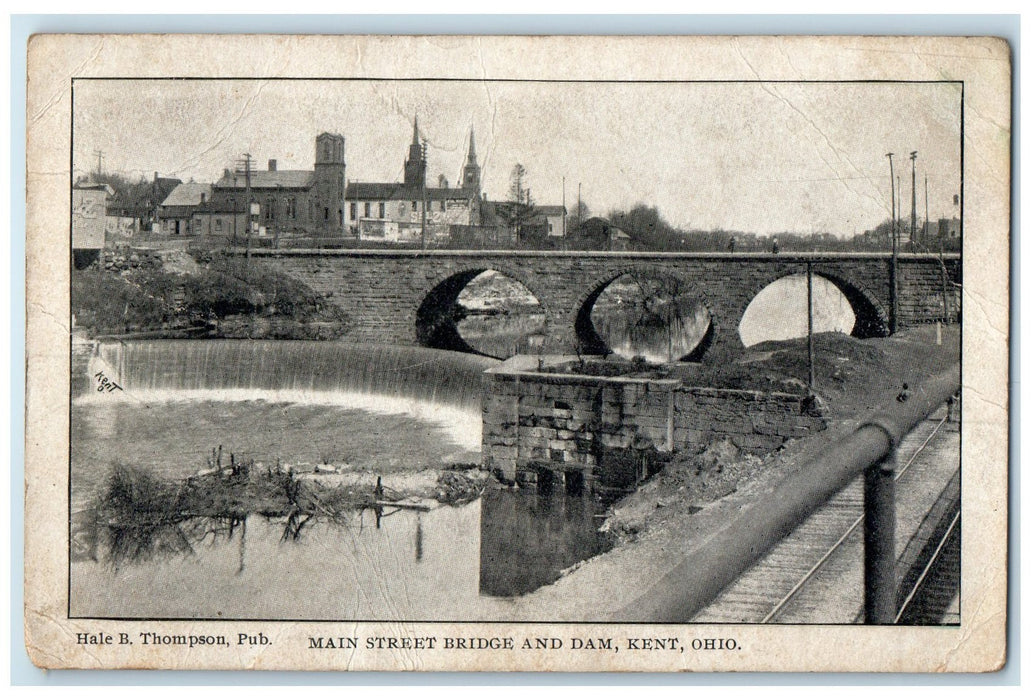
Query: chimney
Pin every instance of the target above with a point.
(225, 173)
(272, 165)
(155, 176)
(442, 181)
(203, 196)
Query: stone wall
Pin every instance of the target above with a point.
(568, 422)
(924, 291)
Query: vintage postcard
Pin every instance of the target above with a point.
(517, 353)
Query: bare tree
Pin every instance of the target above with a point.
(521, 211)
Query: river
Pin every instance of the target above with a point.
(369, 408)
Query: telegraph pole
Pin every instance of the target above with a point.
(891, 166)
(927, 216)
(912, 225)
(894, 253)
(809, 307)
(563, 210)
(246, 163)
(250, 224)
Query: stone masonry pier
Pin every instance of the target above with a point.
(404, 297)
(572, 422)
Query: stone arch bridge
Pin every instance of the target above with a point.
(396, 296)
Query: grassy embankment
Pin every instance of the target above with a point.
(853, 379)
(222, 297)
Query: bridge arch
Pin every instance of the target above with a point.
(436, 318)
(590, 341)
(871, 317)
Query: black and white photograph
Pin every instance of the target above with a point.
(514, 349)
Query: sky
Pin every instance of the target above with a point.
(757, 157)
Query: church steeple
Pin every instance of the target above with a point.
(471, 172)
(415, 165)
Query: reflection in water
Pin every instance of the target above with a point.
(657, 318)
(497, 315)
(501, 335)
(631, 330)
(449, 563)
(527, 538)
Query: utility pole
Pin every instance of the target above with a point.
(251, 224)
(563, 210)
(926, 209)
(246, 163)
(809, 307)
(891, 166)
(893, 323)
(912, 225)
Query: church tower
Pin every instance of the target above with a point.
(415, 165)
(471, 173)
(326, 205)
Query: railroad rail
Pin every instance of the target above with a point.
(870, 452)
(785, 585)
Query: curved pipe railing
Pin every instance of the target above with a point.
(870, 450)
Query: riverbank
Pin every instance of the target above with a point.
(170, 294)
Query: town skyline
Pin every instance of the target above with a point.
(756, 157)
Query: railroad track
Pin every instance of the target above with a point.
(814, 575)
(934, 598)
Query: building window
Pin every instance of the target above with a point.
(443, 205)
(218, 225)
(340, 217)
(325, 213)
(291, 207)
(270, 209)
(415, 206)
(382, 210)
(354, 210)
(368, 209)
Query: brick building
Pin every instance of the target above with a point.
(288, 201)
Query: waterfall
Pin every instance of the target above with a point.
(434, 384)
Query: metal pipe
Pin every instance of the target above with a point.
(879, 584)
(715, 563)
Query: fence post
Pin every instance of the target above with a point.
(879, 600)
